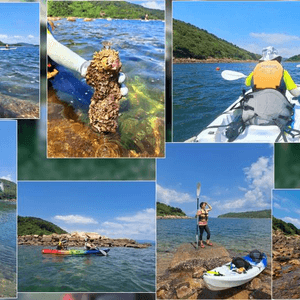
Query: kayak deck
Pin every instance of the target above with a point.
(215, 131)
(229, 278)
(76, 252)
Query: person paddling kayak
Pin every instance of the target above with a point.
(203, 218)
(88, 245)
(269, 74)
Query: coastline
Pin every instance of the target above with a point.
(78, 240)
(179, 274)
(210, 60)
(168, 217)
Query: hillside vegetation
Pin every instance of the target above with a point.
(102, 9)
(32, 225)
(286, 228)
(248, 214)
(294, 58)
(10, 190)
(166, 210)
(190, 41)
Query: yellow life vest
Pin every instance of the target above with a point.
(268, 75)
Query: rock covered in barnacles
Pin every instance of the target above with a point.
(102, 75)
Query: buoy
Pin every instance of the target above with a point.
(217, 68)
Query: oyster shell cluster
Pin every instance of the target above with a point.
(102, 75)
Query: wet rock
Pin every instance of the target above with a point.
(102, 75)
(77, 239)
(286, 271)
(71, 19)
(182, 277)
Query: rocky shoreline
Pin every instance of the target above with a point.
(286, 266)
(210, 60)
(77, 239)
(173, 217)
(179, 276)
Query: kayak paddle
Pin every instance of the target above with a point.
(232, 75)
(197, 227)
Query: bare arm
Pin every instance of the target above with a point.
(209, 207)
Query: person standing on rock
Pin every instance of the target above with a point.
(203, 218)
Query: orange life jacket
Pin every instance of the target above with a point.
(268, 75)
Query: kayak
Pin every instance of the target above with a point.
(6, 49)
(215, 132)
(76, 252)
(225, 277)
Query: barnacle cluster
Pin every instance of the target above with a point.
(102, 75)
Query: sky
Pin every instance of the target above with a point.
(155, 4)
(8, 150)
(251, 25)
(19, 23)
(112, 209)
(286, 206)
(233, 177)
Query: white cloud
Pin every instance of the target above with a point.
(3, 36)
(30, 36)
(75, 219)
(168, 196)
(275, 38)
(140, 226)
(296, 222)
(8, 177)
(154, 4)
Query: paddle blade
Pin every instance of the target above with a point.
(232, 75)
(198, 189)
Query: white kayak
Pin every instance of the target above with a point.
(6, 49)
(215, 132)
(225, 277)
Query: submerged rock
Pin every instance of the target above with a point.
(102, 75)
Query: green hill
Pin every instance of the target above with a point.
(286, 228)
(166, 210)
(190, 41)
(248, 214)
(102, 9)
(10, 190)
(294, 58)
(32, 225)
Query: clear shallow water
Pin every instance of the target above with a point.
(8, 259)
(238, 235)
(19, 73)
(141, 49)
(123, 270)
(200, 94)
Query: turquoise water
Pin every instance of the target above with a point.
(238, 235)
(123, 270)
(19, 72)
(200, 94)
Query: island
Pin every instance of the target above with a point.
(295, 58)
(248, 214)
(193, 45)
(164, 211)
(8, 190)
(102, 9)
(38, 232)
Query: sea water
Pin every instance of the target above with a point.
(123, 270)
(20, 72)
(141, 47)
(8, 259)
(200, 94)
(237, 235)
